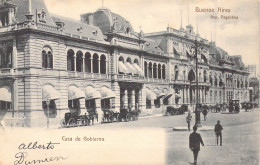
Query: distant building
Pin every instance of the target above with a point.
(101, 63)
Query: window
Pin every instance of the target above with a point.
(159, 71)
(157, 103)
(95, 64)
(47, 61)
(103, 65)
(74, 104)
(5, 105)
(105, 104)
(163, 72)
(148, 104)
(52, 109)
(4, 19)
(70, 60)
(176, 72)
(79, 61)
(154, 70)
(150, 70)
(88, 62)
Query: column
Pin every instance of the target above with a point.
(99, 110)
(147, 71)
(107, 68)
(188, 95)
(185, 95)
(75, 62)
(125, 99)
(91, 68)
(152, 71)
(99, 66)
(83, 61)
(133, 99)
(161, 72)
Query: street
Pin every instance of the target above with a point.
(240, 138)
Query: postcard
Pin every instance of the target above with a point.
(95, 82)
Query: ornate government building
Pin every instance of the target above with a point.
(100, 62)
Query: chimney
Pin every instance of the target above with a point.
(88, 18)
(91, 19)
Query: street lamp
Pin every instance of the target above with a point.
(48, 112)
(197, 108)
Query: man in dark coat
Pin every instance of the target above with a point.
(218, 131)
(194, 143)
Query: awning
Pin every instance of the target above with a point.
(168, 95)
(159, 94)
(139, 70)
(131, 68)
(75, 93)
(107, 93)
(177, 95)
(189, 52)
(122, 68)
(177, 49)
(92, 93)
(150, 95)
(5, 94)
(49, 93)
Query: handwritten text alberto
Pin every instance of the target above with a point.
(21, 156)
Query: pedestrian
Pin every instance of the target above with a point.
(188, 120)
(205, 112)
(218, 131)
(194, 143)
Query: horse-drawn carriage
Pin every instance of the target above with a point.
(72, 119)
(170, 110)
(233, 106)
(124, 115)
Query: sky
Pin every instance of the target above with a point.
(236, 36)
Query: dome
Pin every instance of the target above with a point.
(107, 21)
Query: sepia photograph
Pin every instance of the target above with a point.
(170, 82)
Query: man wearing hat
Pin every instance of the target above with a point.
(194, 142)
(218, 131)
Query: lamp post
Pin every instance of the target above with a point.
(48, 112)
(197, 108)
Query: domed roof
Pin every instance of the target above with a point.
(108, 21)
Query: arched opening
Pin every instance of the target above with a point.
(163, 72)
(184, 75)
(79, 61)
(88, 62)
(121, 59)
(204, 59)
(216, 80)
(145, 69)
(210, 79)
(154, 70)
(70, 60)
(95, 63)
(200, 78)
(238, 83)
(103, 64)
(2, 58)
(150, 70)
(159, 71)
(205, 76)
(176, 72)
(191, 76)
(136, 61)
(129, 60)
(9, 57)
(47, 61)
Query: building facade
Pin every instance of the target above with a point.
(100, 62)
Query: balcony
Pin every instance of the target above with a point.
(7, 72)
(134, 78)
